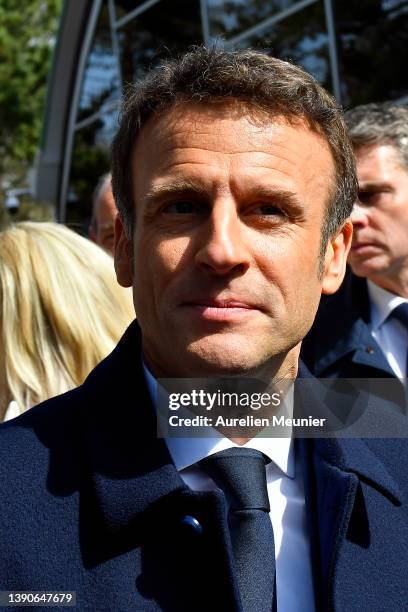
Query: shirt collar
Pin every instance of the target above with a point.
(382, 303)
(188, 451)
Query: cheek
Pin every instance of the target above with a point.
(170, 254)
(290, 260)
(292, 287)
(158, 262)
(381, 221)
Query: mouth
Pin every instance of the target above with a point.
(219, 310)
(360, 247)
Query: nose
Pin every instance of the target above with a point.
(223, 249)
(359, 215)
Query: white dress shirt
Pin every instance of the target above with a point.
(390, 334)
(294, 580)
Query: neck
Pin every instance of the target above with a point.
(273, 378)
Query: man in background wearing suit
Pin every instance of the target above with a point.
(370, 336)
(235, 221)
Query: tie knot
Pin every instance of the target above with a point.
(401, 314)
(240, 473)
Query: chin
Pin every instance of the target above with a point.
(360, 272)
(223, 357)
(367, 270)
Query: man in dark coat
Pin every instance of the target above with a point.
(234, 223)
(362, 330)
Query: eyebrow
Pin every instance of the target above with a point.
(177, 187)
(183, 187)
(288, 199)
(373, 186)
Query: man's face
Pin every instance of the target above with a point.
(226, 244)
(105, 215)
(380, 241)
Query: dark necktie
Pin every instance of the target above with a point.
(240, 473)
(400, 313)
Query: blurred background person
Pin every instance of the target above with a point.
(101, 229)
(370, 338)
(61, 312)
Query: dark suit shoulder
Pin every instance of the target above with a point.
(27, 441)
(340, 343)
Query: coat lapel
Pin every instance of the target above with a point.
(130, 466)
(349, 492)
(142, 503)
(355, 494)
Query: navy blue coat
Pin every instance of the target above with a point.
(340, 344)
(91, 502)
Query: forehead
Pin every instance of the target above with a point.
(377, 160)
(105, 204)
(233, 139)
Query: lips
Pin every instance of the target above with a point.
(219, 310)
(220, 303)
(361, 246)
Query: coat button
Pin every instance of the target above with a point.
(370, 350)
(192, 524)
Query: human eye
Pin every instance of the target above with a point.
(181, 207)
(269, 212)
(364, 197)
(372, 197)
(269, 209)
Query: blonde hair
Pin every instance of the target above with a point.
(61, 311)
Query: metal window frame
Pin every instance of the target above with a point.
(331, 33)
(205, 22)
(133, 14)
(66, 170)
(48, 167)
(95, 116)
(115, 40)
(269, 21)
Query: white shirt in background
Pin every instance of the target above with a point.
(390, 334)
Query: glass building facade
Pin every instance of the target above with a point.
(356, 49)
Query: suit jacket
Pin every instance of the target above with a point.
(91, 502)
(340, 343)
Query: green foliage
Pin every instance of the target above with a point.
(27, 36)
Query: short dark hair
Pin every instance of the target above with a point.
(380, 124)
(265, 83)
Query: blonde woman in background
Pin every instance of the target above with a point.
(61, 312)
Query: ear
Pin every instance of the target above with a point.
(336, 258)
(123, 255)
